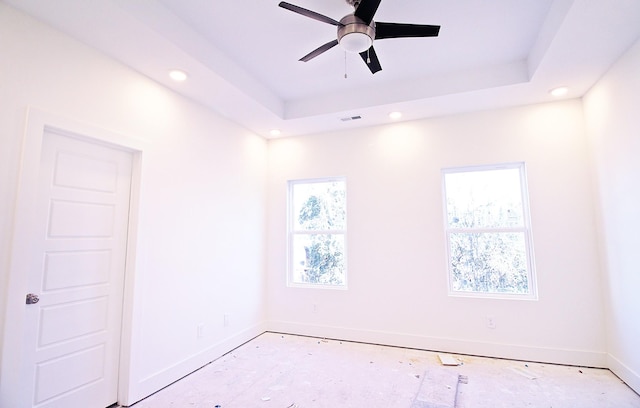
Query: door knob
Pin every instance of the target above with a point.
(32, 298)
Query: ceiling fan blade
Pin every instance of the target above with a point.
(309, 13)
(319, 50)
(366, 10)
(371, 59)
(397, 30)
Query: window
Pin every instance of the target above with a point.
(488, 231)
(317, 229)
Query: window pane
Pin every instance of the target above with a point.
(318, 258)
(489, 262)
(484, 199)
(319, 206)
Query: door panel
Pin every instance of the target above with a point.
(69, 219)
(75, 268)
(72, 335)
(97, 175)
(68, 321)
(69, 373)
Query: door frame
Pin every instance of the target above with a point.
(37, 121)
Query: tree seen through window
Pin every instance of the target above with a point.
(317, 232)
(488, 231)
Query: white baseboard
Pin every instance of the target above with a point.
(456, 346)
(626, 374)
(167, 376)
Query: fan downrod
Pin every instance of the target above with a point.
(354, 3)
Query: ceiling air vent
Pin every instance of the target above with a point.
(349, 118)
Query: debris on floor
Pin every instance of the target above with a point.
(448, 360)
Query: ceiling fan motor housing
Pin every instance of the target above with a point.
(354, 35)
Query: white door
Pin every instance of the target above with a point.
(72, 333)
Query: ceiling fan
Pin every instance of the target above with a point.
(357, 31)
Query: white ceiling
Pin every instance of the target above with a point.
(242, 55)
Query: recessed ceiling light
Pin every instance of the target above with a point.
(560, 91)
(178, 75)
(274, 132)
(395, 115)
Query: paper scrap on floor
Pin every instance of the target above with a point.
(447, 360)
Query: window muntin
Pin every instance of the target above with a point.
(488, 232)
(317, 233)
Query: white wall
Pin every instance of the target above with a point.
(397, 290)
(201, 225)
(612, 108)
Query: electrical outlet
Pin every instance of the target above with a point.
(491, 322)
(315, 308)
(200, 330)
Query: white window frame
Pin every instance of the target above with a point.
(291, 232)
(525, 230)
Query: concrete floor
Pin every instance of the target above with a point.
(286, 371)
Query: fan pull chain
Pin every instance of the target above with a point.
(345, 65)
(368, 59)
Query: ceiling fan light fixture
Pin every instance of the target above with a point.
(354, 35)
(356, 42)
